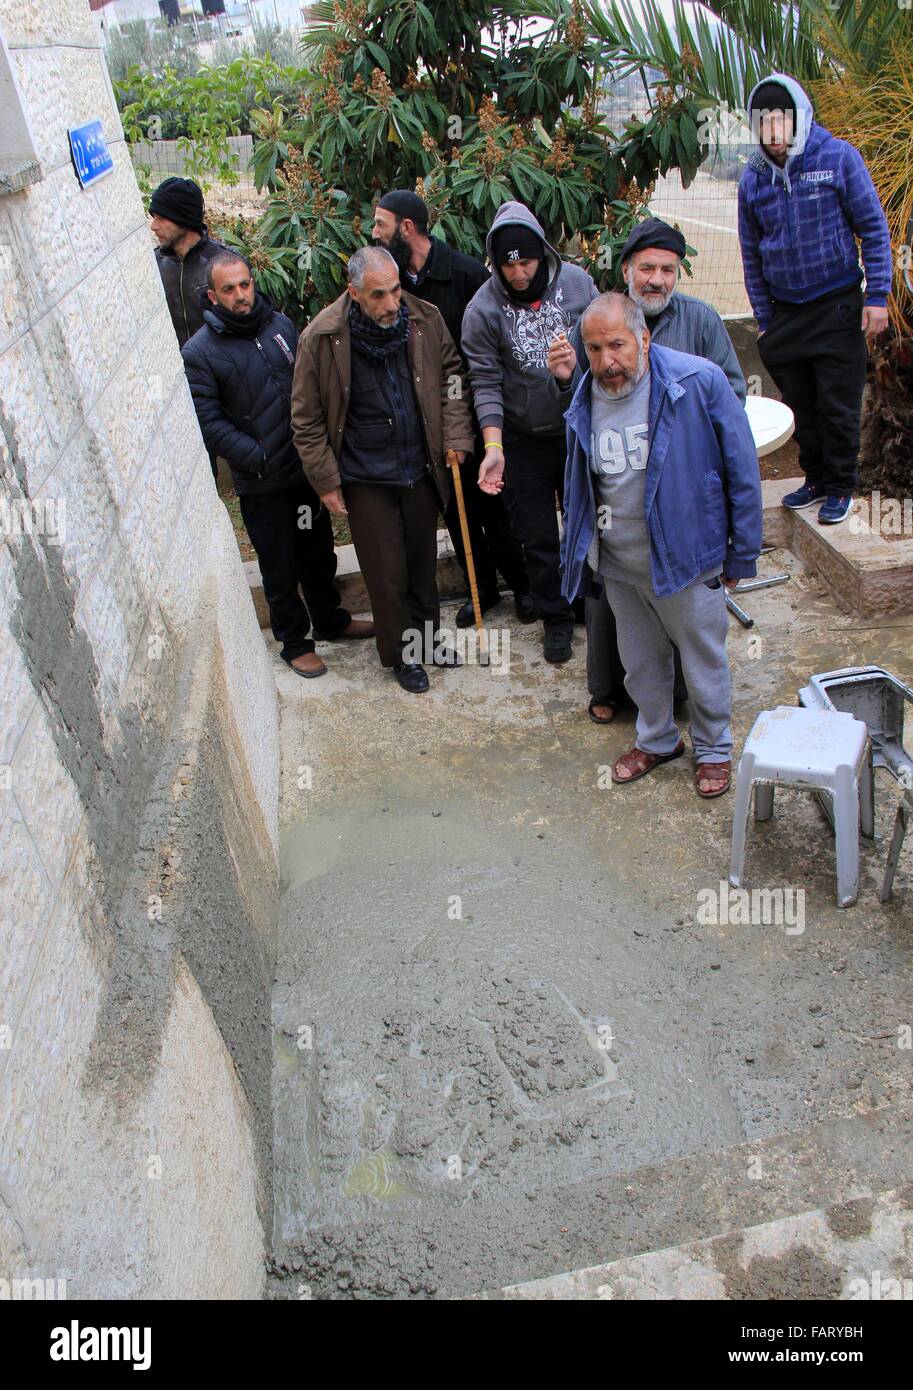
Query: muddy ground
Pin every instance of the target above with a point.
(508, 1040)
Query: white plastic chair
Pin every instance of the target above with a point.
(823, 750)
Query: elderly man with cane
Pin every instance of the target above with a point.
(374, 415)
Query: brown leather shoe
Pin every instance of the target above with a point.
(357, 629)
(308, 665)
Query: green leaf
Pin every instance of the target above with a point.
(379, 55)
(687, 129)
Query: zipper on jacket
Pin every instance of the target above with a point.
(273, 376)
(183, 301)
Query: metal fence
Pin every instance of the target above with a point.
(162, 159)
(706, 213)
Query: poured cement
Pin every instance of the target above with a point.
(502, 1033)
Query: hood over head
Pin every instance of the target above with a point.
(512, 213)
(804, 120)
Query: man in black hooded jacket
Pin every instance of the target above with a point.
(239, 366)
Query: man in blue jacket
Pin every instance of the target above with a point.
(239, 366)
(651, 265)
(804, 199)
(663, 500)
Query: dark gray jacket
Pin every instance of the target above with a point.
(685, 325)
(506, 342)
(183, 281)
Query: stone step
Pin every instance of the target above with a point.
(352, 589)
(855, 1249)
(866, 574)
(589, 1225)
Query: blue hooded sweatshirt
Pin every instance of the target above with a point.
(798, 225)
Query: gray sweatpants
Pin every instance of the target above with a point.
(697, 622)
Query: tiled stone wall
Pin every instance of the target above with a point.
(133, 1142)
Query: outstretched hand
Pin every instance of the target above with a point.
(491, 472)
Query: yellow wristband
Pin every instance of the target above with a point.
(493, 444)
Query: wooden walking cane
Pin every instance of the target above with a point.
(454, 466)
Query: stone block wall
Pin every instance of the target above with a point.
(138, 749)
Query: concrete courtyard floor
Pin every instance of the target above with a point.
(508, 1041)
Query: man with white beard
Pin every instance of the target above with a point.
(662, 501)
(651, 265)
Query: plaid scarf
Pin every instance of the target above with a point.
(370, 339)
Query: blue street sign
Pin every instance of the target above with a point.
(91, 156)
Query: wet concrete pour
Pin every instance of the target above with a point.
(505, 1033)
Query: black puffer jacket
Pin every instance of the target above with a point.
(184, 280)
(240, 374)
(448, 280)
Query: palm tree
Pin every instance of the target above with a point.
(855, 57)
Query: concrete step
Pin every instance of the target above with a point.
(829, 1177)
(866, 574)
(856, 1249)
(450, 580)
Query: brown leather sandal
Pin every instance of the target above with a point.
(713, 772)
(639, 762)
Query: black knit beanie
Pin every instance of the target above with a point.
(516, 242)
(181, 201)
(653, 231)
(772, 96)
(402, 202)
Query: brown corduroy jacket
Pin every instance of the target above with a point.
(323, 379)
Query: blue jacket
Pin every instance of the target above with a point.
(798, 225)
(702, 489)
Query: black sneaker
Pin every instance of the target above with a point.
(525, 606)
(805, 496)
(556, 646)
(466, 617)
(412, 677)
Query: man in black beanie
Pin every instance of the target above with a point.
(516, 325)
(184, 251)
(448, 279)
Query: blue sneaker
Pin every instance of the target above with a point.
(805, 496)
(835, 509)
